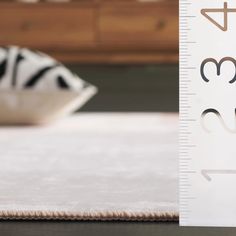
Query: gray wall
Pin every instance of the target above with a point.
(131, 88)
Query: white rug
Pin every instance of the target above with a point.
(91, 166)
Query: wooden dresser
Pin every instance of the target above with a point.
(95, 31)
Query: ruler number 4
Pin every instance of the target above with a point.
(225, 10)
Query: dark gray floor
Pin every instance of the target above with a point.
(105, 229)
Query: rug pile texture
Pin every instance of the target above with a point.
(91, 166)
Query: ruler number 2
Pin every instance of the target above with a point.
(217, 113)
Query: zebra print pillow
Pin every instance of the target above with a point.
(35, 88)
(21, 68)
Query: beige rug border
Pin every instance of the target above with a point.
(86, 216)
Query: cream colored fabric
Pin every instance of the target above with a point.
(91, 166)
(37, 107)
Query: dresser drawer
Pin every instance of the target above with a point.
(53, 26)
(140, 25)
(95, 31)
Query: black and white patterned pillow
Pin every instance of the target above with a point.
(35, 88)
(21, 68)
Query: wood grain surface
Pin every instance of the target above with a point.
(45, 27)
(95, 31)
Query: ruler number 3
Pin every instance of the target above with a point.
(211, 110)
(218, 67)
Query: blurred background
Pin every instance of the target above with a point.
(127, 48)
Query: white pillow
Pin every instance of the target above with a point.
(35, 88)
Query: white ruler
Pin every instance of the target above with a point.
(207, 113)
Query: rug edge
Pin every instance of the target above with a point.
(89, 216)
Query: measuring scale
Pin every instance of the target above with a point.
(207, 139)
